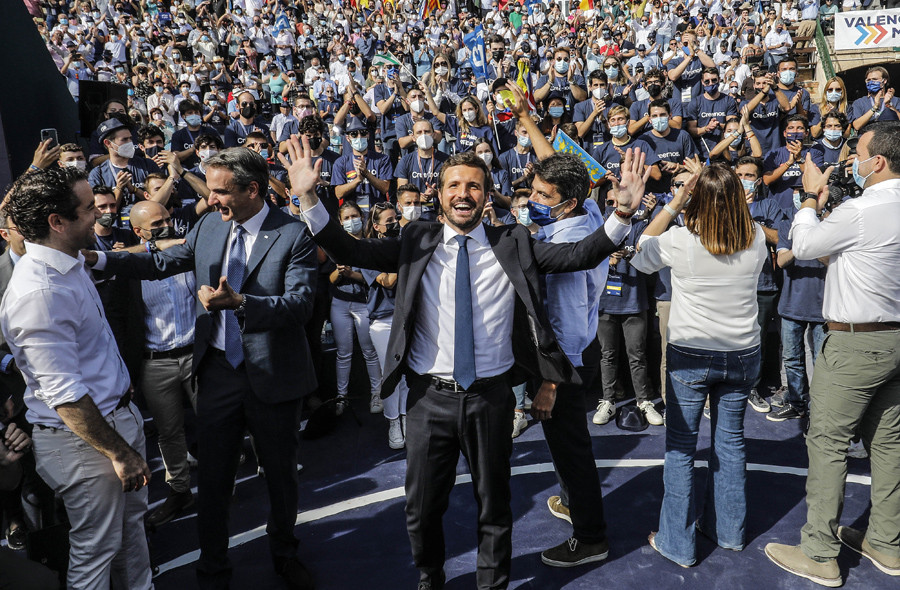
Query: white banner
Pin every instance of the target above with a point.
(869, 29)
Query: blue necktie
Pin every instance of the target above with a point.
(464, 340)
(237, 268)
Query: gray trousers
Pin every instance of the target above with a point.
(855, 386)
(164, 383)
(108, 544)
(634, 327)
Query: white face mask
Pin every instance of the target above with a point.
(206, 154)
(488, 157)
(425, 141)
(417, 105)
(411, 212)
(126, 150)
(80, 164)
(469, 116)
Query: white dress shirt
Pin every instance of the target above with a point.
(713, 296)
(53, 320)
(862, 240)
(252, 227)
(431, 349)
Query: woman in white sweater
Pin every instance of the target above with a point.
(713, 351)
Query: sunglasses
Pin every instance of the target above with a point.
(677, 184)
(562, 59)
(356, 134)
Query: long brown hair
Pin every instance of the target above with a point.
(718, 212)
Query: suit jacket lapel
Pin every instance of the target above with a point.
(421, 252)
(217, 250)
(264, 240)
(505, 251)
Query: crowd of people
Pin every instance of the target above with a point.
(268, 178)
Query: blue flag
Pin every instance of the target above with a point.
(282, 22)
(475, 43)
(564, 144)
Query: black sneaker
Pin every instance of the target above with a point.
(572, 552)
(786, 412)
(172, 507)
(758, 403)
(777, 400)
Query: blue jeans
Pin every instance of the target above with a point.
(793, 344)
(726, 377)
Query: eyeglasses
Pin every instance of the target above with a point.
(383, 206)
(677, 184)
(246, 104)
(562, 59)
(440, 63)
(356, 133)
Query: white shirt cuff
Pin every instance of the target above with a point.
(618, 229)
(101, 261)
(316, 217)
(805, 216)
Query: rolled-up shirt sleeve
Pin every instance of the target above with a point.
(316, 217)
(813, 239)
(47, 344)
(652, 255)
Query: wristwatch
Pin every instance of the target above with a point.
(239, 311)
(151, 246)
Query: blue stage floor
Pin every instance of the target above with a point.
(352, 524)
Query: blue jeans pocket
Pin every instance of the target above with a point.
(686, 367)
(750, 361)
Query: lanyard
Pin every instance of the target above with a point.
(431, 170)
(519, 160)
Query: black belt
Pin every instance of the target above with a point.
(451, 385)
(126, 399)
(864, 327)
(175, 353)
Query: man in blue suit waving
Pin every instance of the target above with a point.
(257, 267)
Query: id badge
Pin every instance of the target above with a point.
(614, 286)
(686, 94)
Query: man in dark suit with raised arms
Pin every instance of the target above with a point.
(251, 357)
(468, 322)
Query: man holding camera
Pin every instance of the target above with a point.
(856, 385)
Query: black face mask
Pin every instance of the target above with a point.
(106, 220)
(315, 142)
(498, 55)
(392, 230)
(162, 233)
(248, 112)
(654, 89)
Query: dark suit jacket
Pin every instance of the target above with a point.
(535, 349)
(279, 290)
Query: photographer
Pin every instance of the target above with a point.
(856, 383)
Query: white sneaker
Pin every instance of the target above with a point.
(605, 411)
(376, 406)
(395, 435)
(520, 423)
(650, 413)
(857, 450)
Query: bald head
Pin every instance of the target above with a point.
(147, 216)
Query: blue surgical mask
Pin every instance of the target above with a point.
(749, 185)
(833, 135)
(787, 77)
(540, 213)
(264, 153)
(556, 111)
(710, 88)
(796, 136)
(353, 225)
(193, 120)
(360, 144)
(295, 201)
(618, 131)
(859, 178)
(736, 141)
(611, 73)
(660, 124)
(524, 216)
(524, 141)
(834, 95)
(873, 87)
(562, 67)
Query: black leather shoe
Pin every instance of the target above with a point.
(296, 575)
(172, 507)
(433, 583)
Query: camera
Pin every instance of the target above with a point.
(841, 184)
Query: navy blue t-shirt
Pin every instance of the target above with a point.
(703, 110)
(829, 155)
(804, 102)
(515, 163)
(782, 190)
(640, 108)
(388, 119)
(597, 135)
(365, 194)
(865, 103)
(561, 85)
(184, 218)
(634, 283)
(403, 126)
(184, 138)
(465, 141)
(501, 181)
(769, 214)
(675, 146)
(804, 282)
(236, 133)
(380, 303)
(420, 171)
(688, 85)
(764, 121)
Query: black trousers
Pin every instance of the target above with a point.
(226, 407)
(439, 425)
(570, 447)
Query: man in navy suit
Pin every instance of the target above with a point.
(257, 269)
(468, 323)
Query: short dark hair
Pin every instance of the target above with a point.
(660, 103)
(841, 118)
(258, 135)
(408, 188)
(209, 138)
(312, 124)
(467, 159)
(567, 173)
(246, 165)
(189, 104)
(885, 142)
(752, 161)
(798, 118)
(70, 147)
(102, 189)
(711, 71)
(37, 194)
(148, 131)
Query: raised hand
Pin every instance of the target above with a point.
(302, 172)
(815, 181)
(520, 104)
(223, 297)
